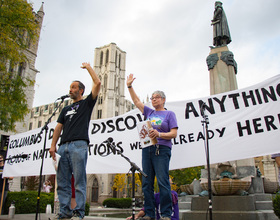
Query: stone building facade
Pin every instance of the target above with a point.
(26, 70)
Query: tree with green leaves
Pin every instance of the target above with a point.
(18, 30)
(186, 175)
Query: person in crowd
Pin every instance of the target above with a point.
(175, 208)
(73, 148)
(4, 184)
(276, 157)
(139, 215)
(47, 186)
(156, 158)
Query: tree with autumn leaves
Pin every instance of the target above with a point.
(124, 182)
(179, 177)
(18, 30)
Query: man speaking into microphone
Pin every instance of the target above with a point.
(74, 122)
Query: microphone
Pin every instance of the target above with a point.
(64, 97)
(203, 105)
(202, 108)
(109, 140)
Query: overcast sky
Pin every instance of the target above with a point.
(166, 43)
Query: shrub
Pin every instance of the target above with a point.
(87, 209)
(276, 205)
(26, 201)
(117, 202)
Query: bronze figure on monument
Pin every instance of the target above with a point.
(221, 34)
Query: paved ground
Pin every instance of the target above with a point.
(43, 216)
(93, 209)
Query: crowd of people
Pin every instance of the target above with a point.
(4, 184)
(72, 129)
(73, 123)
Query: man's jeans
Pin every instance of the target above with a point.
(73, 160)
(157, 165)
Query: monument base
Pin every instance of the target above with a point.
(222, 70)
(256, 206)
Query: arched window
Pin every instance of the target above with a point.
(115, 82)
(107, 56)
(100, 100)
(41, 111)
(101, 58)
(105, 82)
(30, 126)
(119, 86)
(99, 114)
(21, 69)
(120, 61)
(116, 59)
(94, 193)
(100, 77)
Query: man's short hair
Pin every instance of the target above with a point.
(81, 85)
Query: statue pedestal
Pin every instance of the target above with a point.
(222, 69)
(222, 75)
(257, 206)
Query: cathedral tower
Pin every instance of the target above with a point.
(109, 64)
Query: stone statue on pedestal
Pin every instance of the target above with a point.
(220, 62)
(223, 69)
(221, 34)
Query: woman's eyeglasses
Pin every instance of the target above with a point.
(156, 97)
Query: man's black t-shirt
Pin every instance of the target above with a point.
(75, 119)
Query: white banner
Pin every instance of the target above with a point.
(242, 124)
